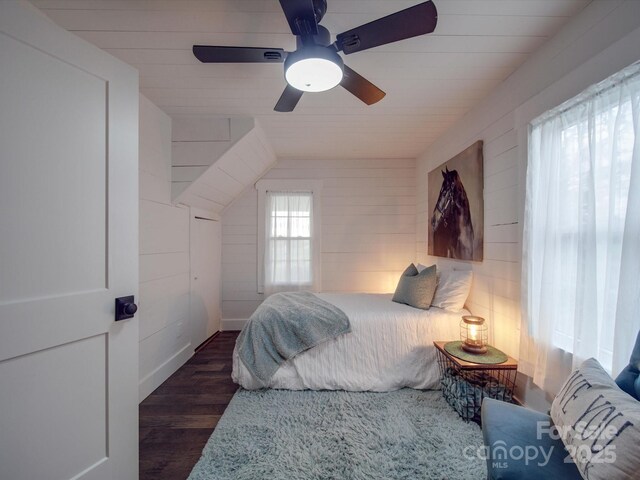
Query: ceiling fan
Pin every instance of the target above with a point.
(315, 65)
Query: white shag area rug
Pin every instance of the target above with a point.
(277, 434)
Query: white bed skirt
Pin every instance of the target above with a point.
(390, 347)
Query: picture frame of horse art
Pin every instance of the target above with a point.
(456, 206)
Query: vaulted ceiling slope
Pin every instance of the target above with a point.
(215, 159)
(430, 81)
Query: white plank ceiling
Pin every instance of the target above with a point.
(430, 81)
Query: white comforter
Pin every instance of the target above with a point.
(390, 347)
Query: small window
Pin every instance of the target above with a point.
(289, 238)
(288, 259)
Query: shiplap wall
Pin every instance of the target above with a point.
(368, 229)
(165, 341)
(599, 41)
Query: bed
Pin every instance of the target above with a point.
(390, 346)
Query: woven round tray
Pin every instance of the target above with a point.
(492, 357)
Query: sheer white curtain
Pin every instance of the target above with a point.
(288, 247)
(581, 269)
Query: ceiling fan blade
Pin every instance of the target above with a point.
(361, 87)
(301, 16)
(212, 54)
(411, 22)
(288, 100)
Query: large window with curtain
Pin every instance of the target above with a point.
(289, 239)
(582, 228)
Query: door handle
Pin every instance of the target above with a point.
(125, 308)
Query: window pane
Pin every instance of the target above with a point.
(281, 227)
(280, 205)
(300, 205)
(300, 256)
(300, 227)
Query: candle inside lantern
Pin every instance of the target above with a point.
(473, 333)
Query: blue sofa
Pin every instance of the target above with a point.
(509, 430)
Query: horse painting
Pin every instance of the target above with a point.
(455, 225)
(451, 221)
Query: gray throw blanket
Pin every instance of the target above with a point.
(284, 325)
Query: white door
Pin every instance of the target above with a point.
(68, 248)
(205, 278)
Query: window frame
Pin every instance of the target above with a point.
(290, 186)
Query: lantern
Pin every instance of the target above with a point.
(473, 334)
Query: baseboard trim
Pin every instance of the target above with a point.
(233, 324)
(207, 341)
(156, 378)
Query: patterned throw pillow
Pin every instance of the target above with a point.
(416, 289)
(599, 424)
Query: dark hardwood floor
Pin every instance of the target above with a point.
(177, 419)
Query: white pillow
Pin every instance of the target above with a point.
(452, 290)
(420, 267)
(599, 424)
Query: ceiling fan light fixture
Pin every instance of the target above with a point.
(313, 69)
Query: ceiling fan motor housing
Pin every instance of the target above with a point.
(322, 38)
